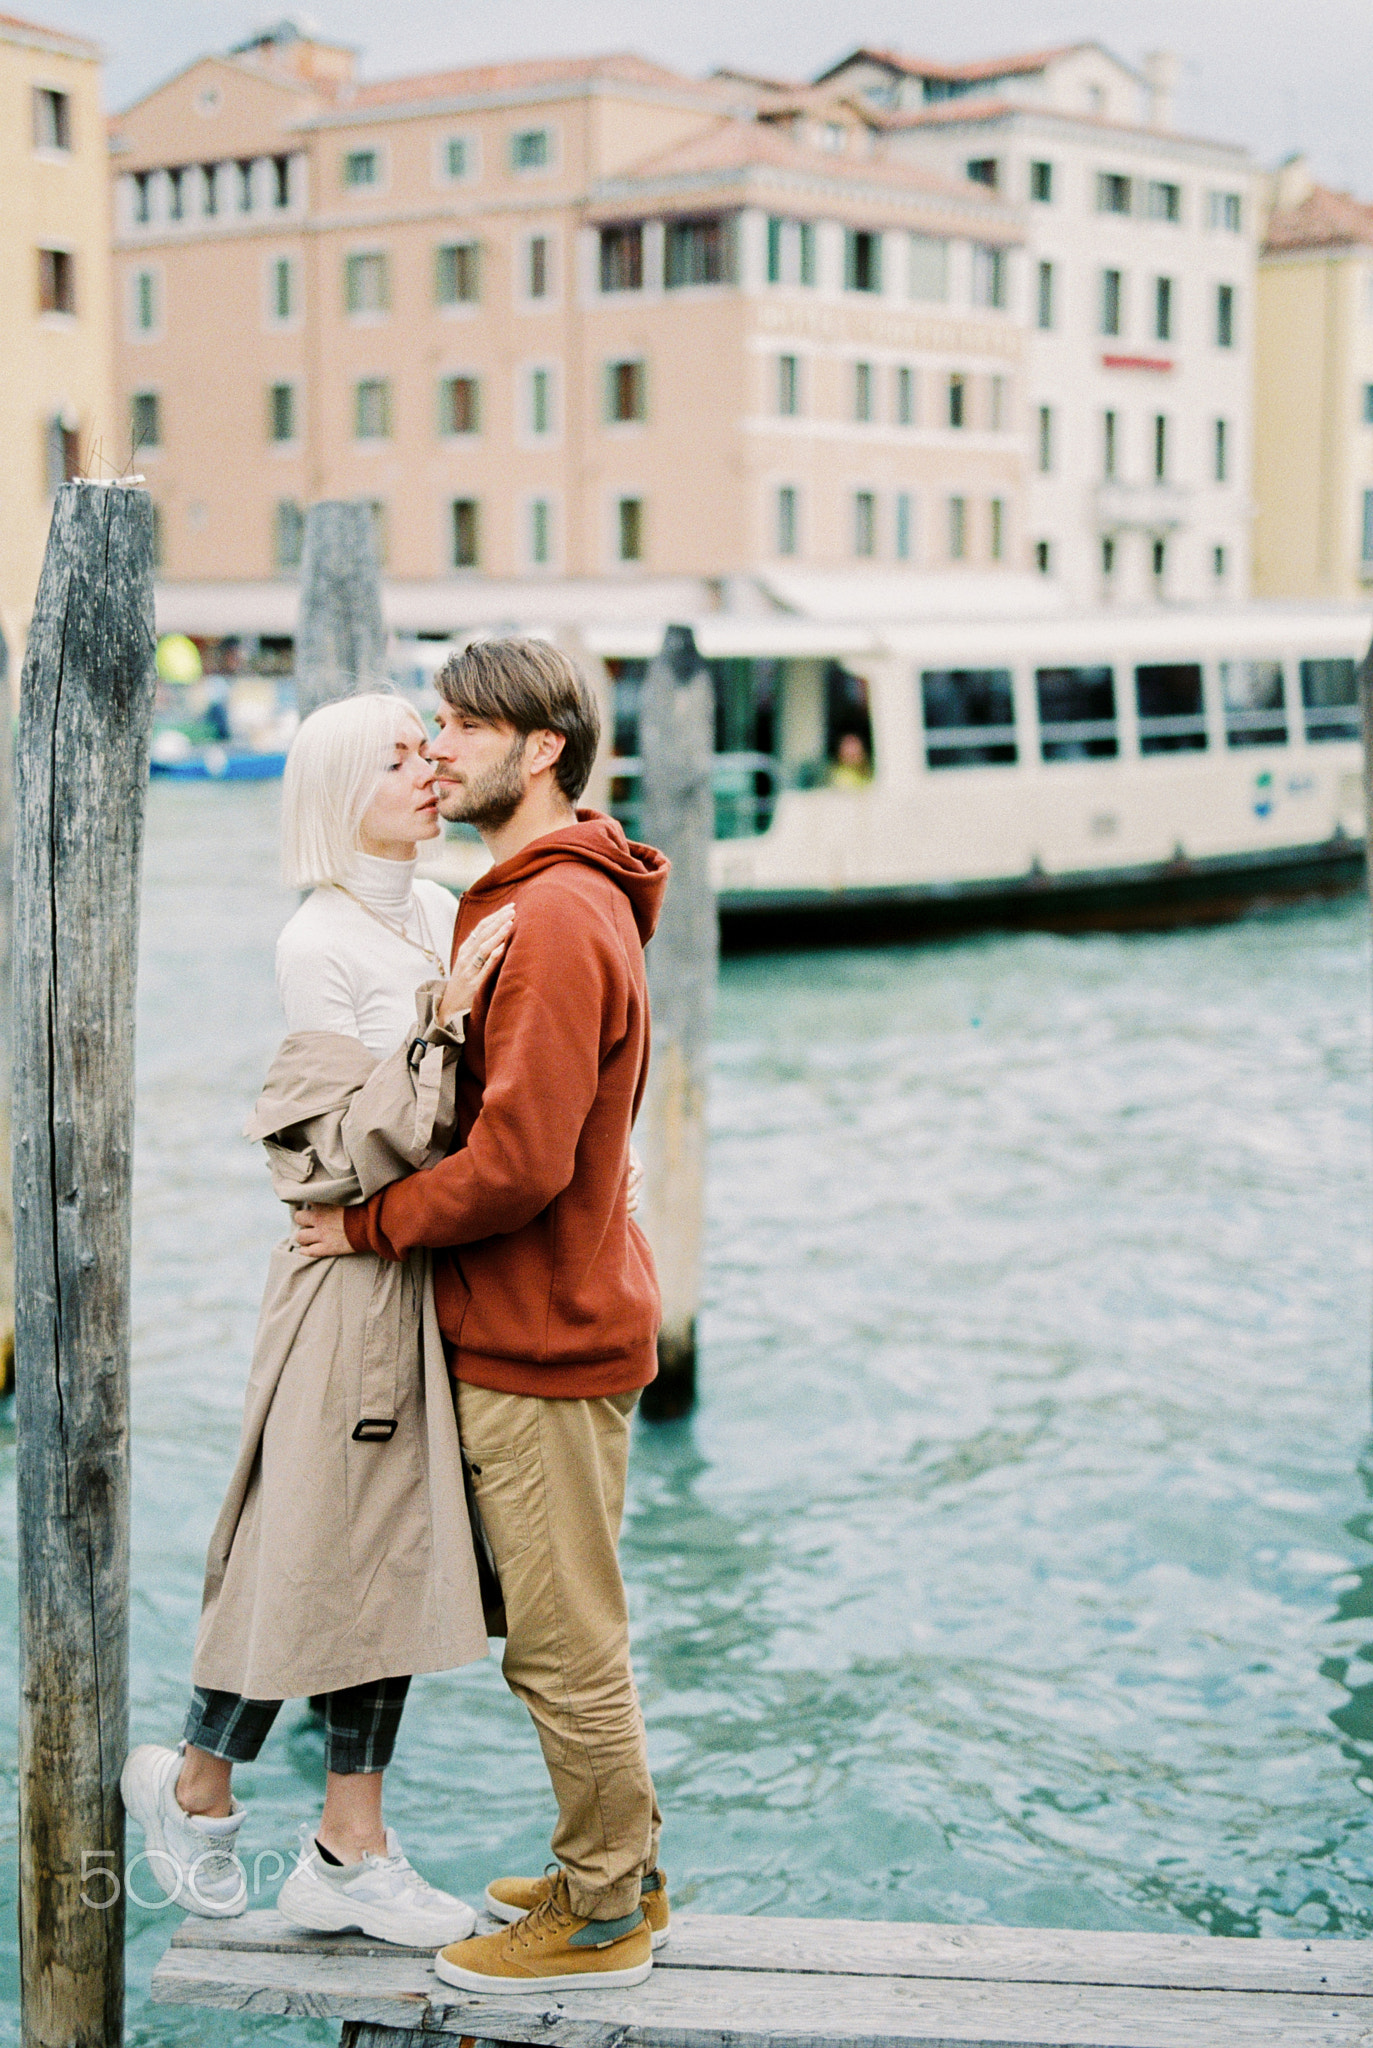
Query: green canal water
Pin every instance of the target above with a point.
(1018, 1563)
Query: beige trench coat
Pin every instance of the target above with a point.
(343, 1551)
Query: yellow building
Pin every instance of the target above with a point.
(56, 412)
(1313, 416)
(574, 318)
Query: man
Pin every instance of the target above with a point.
(545, 1290)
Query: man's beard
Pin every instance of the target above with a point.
(490, 800)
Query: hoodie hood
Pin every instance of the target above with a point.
(598, 841)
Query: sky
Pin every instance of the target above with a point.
(1279, 75)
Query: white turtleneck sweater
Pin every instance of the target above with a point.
(339, 969)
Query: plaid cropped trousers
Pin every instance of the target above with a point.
(360, 1725)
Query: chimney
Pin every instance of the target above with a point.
(1289, 184)
(291, 50)
(1161, 72)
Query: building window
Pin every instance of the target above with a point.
(958, 400)
(1046, 439)
(996, 535)
(788, 386)
(283, 288)
(1224, 212)
(1108, 556)
(361, 167)
(209, 190)
(1111, 296)
(989, 276)
(457, 274)
(806, 251)
(862, 392)
(176, 195)
(996, 408)
(145, 420)
(281, 181)
(1044, 305)
(1159, 559)
(245, 185)
(626, 391)
(1218, 563)
(630, 529)
(466, 534)
(1163, 201)
(541, 401)
(1160, 448)
(1221, 451)
(281, 412)
(1368, 405)
(1367, 556)
(142, 197)
(537, 278)
(697, 252)
(52, 119)
(905, 526)
(366, 284)
(1042, 183)
(62, 454)
(984, 170)
(1109, 444)
(1225, 316)
(905, 396)
(786, 520)
(288, 534)
(1113, 194)
(862, 260)
(56, 281)
(1163, 309)
(864, 524)
(530, 150)
(372, 409)
(457, 157)
(622, 258)
(540, 532)
(958, 529)
(1044, 557)
(459, 405)
(145, 301)
(775, 226)
(929, 268)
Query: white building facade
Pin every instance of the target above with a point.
(1138, 296)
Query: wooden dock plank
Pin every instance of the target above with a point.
(720, 2008)
(875, 1948)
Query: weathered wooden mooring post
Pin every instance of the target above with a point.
(677, 814)
(341, 636)
(86, 704)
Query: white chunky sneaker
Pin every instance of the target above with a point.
(190, 1857)
(382, 1896)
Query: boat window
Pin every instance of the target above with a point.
(969, 717)
(1168, 697)
(745, 775)
(1254, 713)
(1330, 696)
(1077, 713)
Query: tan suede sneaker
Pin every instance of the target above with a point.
(510, 1898)
(551, 1949)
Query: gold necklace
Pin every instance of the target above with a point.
(397, 931)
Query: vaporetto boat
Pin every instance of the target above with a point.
(1101, 769)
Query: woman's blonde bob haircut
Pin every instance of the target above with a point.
(336, 761)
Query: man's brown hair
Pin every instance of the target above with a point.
(535, 688)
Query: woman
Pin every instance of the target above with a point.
(342, 1560)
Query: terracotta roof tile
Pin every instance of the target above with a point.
(80, 45)
(622, 66)
(988, 67)
(1323, 220)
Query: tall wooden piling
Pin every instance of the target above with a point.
(341, 636)
(86, 704)
(677, 814)
(1366, 706)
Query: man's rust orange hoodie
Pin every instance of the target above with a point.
(543, 1282)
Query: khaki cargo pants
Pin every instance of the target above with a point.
(549, 1478)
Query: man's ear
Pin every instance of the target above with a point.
(543, 750)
